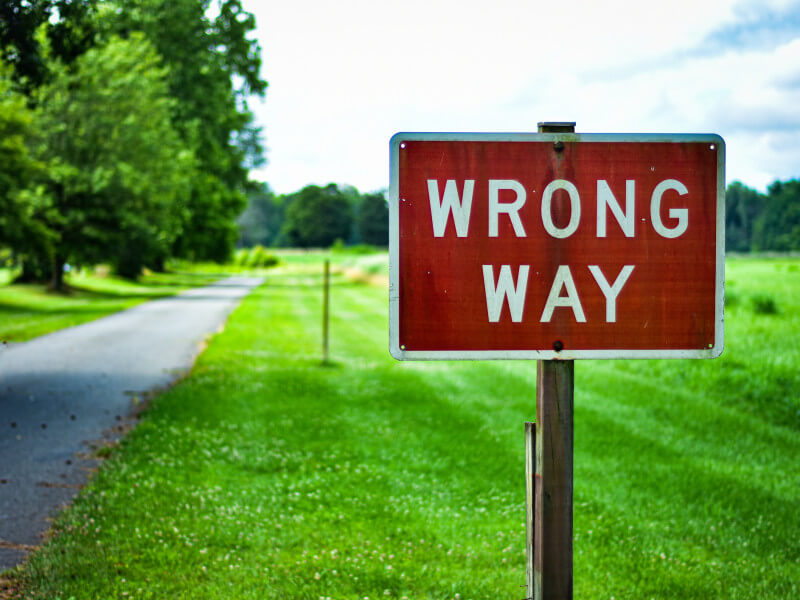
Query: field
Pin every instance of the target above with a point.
(266, 474)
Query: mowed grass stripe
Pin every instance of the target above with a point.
(689, 421)
(268, 475)
(364, 396)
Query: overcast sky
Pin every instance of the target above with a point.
(345, 76)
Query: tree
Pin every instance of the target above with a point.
(69, 31)
(353, 197)
(373, 220)
(316, 217)
(17, 166)
(33, 35)
(213, 67)
(778, 225)
(116, 167)
(742, 207)
(19, 20)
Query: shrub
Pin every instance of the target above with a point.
(258, 257)
(240, 258)
(732, 297)
(764, 304)
(254, 256)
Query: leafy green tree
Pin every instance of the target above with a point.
(373, 220)
(116, 167)
(19, 20)
(778, 225)
(742, 207)
(213, 68)
(17, 166)
(317, 216)
(69, 29)
(353, 197)
(33, 35)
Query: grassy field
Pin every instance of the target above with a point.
(267, 475)
(28, 310)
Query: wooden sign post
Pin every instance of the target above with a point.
(549, 532)
(555, 246)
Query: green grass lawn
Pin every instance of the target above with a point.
(267, 475)
(28, 310)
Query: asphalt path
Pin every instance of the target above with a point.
(65, 394)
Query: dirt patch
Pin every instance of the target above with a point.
(15, 546)
(360, 276)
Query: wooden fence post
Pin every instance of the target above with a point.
(325, 304)
(530, 503)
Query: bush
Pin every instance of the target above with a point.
(256, 257)
(240, 257)
(764, 304)
(731, 297)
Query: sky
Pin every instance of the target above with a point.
(345, 76)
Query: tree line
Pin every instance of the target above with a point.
(763, 222)
(317, 216)
(125, 132)
(314, 217)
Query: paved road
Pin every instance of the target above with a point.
(62, 392)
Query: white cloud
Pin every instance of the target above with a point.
(345, 76)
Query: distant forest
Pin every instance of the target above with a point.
(314, 217)
(318, 216)
(763, 222)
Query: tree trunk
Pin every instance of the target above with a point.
(57, 276)
(159, 264)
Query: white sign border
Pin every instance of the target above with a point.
(566, 354)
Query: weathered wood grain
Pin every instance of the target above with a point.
(553, 491)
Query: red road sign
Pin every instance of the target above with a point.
(556, 245)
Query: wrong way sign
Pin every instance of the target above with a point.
(556, 246)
